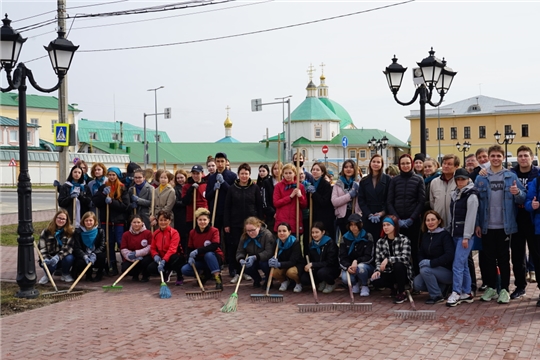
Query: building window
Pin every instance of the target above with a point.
(13, 136)
(136, 137)
(371, 153)
(427, 134)
(525, 130)
(157, 137)
(440, 133)
(482, 132)
(318, 131)
(453, 133)
(28, 136)
(507, 129)
(362, 154)
(304, 154)
(467, 132)
(52, 125)
(115, 136)
(352, 154)
(34, 121)
(92, 136)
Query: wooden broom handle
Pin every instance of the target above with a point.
(197, 276)
(80, 276)
(240, 278)
(194, 205)
(297, 198)
(126, 272)
(312, 282)
(269, 281)
(215, 207)
(45, 266)
(134, 193)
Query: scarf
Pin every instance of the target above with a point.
(346, 183)
(350, 236)
(317, 182)
(317, 245)
(78, 185)
(89, 236)
(290, 186)
(162, 187)
(255, 240)
(97, 184)
(58, 236)
(287, 245)
(137, 232)
(138, 188)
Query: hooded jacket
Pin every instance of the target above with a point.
(263, 253)
(140, 243)
(362, 252)
(437, 246)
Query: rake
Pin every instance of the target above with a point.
(203, 294)
(268, 297)
(352, 306)
(72, 295)
(231, 304)
(314, 307)
(115, 287)
(414, 314)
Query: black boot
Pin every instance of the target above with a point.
(89, 275)
(99, 276)
(114, 270)
(219, 282)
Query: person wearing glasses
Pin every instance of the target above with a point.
(140, 193)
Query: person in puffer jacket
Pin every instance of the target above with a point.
(285, 196)
(165, 248)
(136, 246)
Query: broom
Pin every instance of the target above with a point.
(164, 291)
(268, 297)
(203, 294)
(414, 314)
(231, 304)
(352, 306)
(119, 287)
(314, 307)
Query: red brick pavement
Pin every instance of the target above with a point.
(135, 324)
(37, 216)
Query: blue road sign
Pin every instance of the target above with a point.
(344, 142)
(61, 134)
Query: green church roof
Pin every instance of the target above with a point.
(105, 129)
(312, 109)
(356, 137)
(339, 110)
(33, 101)
(5, 121)
(228, 139)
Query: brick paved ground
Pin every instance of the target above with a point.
(37, 216)
(136, 324)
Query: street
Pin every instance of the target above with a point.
(40, 201)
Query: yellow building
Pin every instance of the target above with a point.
(476, 120)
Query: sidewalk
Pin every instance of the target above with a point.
(37, 216)
(136, 324)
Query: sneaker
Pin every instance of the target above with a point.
(67, 278)
(504, 297)
(528, 277)
(356, 289)
(517, 294)
(170, 276)
(135, 278)
(44, 280)
(234, 280)
(435, 300)
(247, 277)
(468, 298)
(364, 291)
(329, 288)
(400, 298)
(145, 279)
(482, 288)
(219, 282)
(489, 294)
(532, 277)
(284, 285)
(538, 303)
(298, 288)
(453, 299)
(322, 285)
(179, 282)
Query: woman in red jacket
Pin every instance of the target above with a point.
(136, 246)
(285, 193)
(165, 248)
(204, 250)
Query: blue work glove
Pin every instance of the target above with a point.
(161, 266)
(139, 258)
(408, 222)
(273, 262)
(74, 195)
(193, 254)
(402, 224)
(353, 193)
(242, 262)
(108, 200)
(56, 183)
(217, 186)
(157, 258)
(424, 263)
(93, 258)
(75, 190)
(134, 198)
(311, 189)
(52, 261)
(131, 255)
(106, 190)
(133, 205)
(374, 218)
(191, 261)
(250, 261)
(195, 185)
(219, 178)
(86, 259)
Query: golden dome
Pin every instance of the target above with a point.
(322, 77)
(227, 123)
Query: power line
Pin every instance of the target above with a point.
(74, 7)
(250, 32)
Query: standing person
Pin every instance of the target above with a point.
(289, 263)
(141, 200)
(321, 194)
(392, 170)
(436, 255)
(431, 172)
(135, 245)
(98, 172)
(204, 250)
(483, 162)
(113, 194)
(196, 183)
(463, 208)
(127, 177)
(256, 247)
(471, 163)
(356, 255)
(406, 201)
(165, 248)
(89, 247)
(309, 177)
(179, 209)
(418, 164)
(393, 267)
(372, 195)
(56, 247)
(533, 206)
(268, 195)
(499, 193)
(285, 195)
(210, 166)
(74, 188)
(345, 190)
(441, 188)
(323, 257)
(243, 201)
(84, 167)
(264, 173)
(526, 173)
(164, 196)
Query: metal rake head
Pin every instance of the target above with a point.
(303, 308)
(419, 314)
(63, 295)
(275, 298)
(360, 307)
(199, 295)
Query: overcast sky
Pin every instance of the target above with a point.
(492, 45)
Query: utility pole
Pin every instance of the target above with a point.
(63, 155)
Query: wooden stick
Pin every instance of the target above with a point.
(297, 198)
(74, 212)
(45, 266)
(269, 280)
(107, 236)
(134, 193)
(278, 157)
(126, 272)
(80, 276)
(312, 280)
(152, 210)
(310, 217)
(215, 207)
(198, 277)
(194, 205)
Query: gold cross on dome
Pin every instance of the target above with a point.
(227, 108)
(322, 68)
(310, 71)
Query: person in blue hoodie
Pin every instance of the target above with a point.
(533, 206)
(356, 255)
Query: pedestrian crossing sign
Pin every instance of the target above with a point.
(61, 134)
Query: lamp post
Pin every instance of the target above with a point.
(463, 148)
(61, 53)
(378, 144)
(155, 112)
(508, 139)
(432, 74)
(537, 147)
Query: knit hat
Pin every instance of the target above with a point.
(419, 156)
(116, 171)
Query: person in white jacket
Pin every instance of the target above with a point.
(441, 187)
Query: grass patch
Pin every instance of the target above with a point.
(8, 233)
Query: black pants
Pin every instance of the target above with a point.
(413, 233)
(80, 264)
(496, 246)
(232, 241)
(174, 264)
(525, 235)
(341, 224)
(472, 271)
(326, 274)
(141, 267)
(398, 276)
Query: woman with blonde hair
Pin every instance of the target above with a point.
(89, 247)
(285, 196)
(164, 195)
(267, 193)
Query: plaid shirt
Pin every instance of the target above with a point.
(401, 249)
(49, 247)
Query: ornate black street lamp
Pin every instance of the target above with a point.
(61, 53)
(508, 139)
(537, 147)
(463, 148)
(434, 75)
(378, 144)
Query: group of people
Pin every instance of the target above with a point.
(406, 229)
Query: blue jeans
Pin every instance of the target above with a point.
(254, 270)
(66, 263)
(209, 263)
(115, 236)
(433, 280)
(460, 267)
(363, 273)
